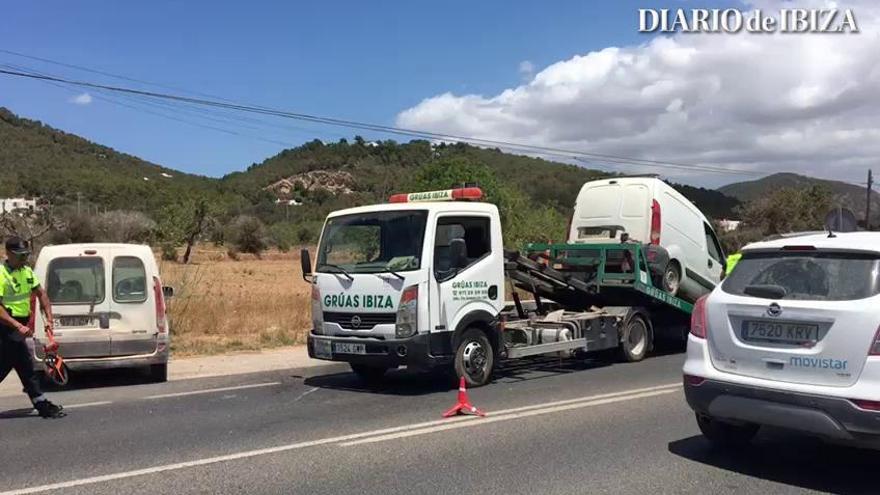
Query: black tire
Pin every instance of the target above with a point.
(670, 281)
(725, 434)
(474, 358)
(368, 373)
(635, 340)
(159, 373)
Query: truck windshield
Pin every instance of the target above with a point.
(382, 241)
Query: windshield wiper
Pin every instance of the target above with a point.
(766, 291)
(401, 277)
(341, 271)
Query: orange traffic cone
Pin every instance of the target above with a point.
(464, 405)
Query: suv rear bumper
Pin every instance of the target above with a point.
(828, 417)
(413, 352)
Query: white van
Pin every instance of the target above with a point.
(682, 249)
(109, 307)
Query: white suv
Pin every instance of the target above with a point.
(790, 339)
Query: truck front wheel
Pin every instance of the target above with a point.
(474, 358)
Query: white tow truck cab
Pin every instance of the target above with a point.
(420, 282)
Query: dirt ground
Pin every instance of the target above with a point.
(222, 305)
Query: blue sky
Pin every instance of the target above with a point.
(756, 102)
(358, 60)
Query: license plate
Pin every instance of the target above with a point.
(75, 321)
(323, 349)
(346, 348)
(779, 332)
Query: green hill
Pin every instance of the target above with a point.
(844, 194)
(37, 160)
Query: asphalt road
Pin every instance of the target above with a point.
(553, 427)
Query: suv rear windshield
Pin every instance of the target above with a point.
(75, 281)
(812, 275)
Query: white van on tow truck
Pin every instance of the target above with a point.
(420, 282)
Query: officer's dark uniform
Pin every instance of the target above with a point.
(17, 283)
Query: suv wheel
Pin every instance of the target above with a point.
(725, 434)
(671, 280)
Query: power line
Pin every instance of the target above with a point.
(386, 129)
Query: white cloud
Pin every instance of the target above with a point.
(526, 68)
(767, 102)
(82, 99)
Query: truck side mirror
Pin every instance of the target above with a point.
(457, 250)
(305, 260)
(167, 291)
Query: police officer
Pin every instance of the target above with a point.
(732, 260)
(17, 283)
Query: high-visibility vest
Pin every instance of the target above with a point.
(731, 262)
(15, 290)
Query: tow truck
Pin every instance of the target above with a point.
(421, 282)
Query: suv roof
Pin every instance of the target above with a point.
(862, 241)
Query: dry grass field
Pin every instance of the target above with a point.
(222, 305)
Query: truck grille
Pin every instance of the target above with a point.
(360, 321)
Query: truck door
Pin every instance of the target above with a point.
(132, 317)
(478, 286)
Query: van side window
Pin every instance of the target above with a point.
(712, 244)
(129, 280)
(75, 280)
(474, 231)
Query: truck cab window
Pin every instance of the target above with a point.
(473, 230)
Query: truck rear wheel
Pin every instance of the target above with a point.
(474, 358)
(635, 339)
(367, 373)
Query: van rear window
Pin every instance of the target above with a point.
(807, 275)
(75, 280)
(129, 280)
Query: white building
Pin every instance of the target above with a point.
(729, 225)
(10, 205)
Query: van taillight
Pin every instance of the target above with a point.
(875, 344)
(655, 223)
(160, 305)
(568, 227)
(699, 325)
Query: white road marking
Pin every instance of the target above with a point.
(508, 417)
(212, 390)
(87, 404)
(307, 392)
(382, 434)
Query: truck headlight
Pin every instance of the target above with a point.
(317, 311)
(408, 313)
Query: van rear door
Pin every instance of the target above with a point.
(607, 209)
(77, 287)
(133, 327)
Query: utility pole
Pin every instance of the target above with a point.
(868, 203)
(79, 196)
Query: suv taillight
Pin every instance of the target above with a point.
(160, 305)
(875, 344)
(699, 324)
(408, 313)
(655, 223)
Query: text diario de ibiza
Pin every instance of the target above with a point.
(756, 21)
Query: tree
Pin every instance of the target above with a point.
(125, 226)
(247, 234)
(788, 210)
(522, 221)
(185, 222)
